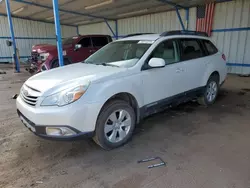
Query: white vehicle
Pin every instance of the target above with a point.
(105, 96)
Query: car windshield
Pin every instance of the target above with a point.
(69, 40)
(120, 54)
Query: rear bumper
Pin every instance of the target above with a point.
(41, 131)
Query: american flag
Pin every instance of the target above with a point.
(205, 15)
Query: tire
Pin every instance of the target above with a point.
(55, 64)
(211, 91)
(111, 131)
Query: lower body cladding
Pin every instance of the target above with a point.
(71, 122)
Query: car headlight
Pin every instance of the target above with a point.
(65, 97)
(44, 56)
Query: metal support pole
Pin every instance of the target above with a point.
(179, 16)
(77, 30)
(12, 35)
(107, 23)
(116, 29)
(58, 32)
(187, 18)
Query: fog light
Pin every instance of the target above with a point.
(59, 131)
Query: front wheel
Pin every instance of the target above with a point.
(55, 64)
(115, 124)
(211, 91)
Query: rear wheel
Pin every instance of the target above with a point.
(115, 124)
(211, 91)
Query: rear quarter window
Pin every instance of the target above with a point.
(210, 47)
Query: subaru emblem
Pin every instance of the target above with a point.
(25, 93)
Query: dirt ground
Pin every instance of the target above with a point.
(203, 147)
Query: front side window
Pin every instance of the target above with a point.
(167, 50)
(85, 42)
(99, 41)
(191, 49)
(121, 54)
(211, 49)
(68, 41)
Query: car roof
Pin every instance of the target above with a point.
(81, 36)
(153, 37)
(142, 37)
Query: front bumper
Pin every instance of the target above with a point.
(41, 132)
(81, 118)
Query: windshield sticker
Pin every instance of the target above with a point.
(146, 42)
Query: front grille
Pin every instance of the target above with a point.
(29, 95)
(35, 56)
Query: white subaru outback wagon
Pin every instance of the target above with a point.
(105, 96)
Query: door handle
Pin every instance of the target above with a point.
(91, 51)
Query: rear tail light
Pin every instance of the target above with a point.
(224, 57)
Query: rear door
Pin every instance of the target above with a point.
(193, 63)
(98, 42)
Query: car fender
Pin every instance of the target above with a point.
(209, 71)
(101, 92)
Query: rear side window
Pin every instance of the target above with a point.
(99, 41)
(85, 42)
(211, 49)
(191, 49)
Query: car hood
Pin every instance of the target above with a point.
(40, 48)
(79, 73)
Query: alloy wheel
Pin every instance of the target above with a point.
(117, 126)
(212, 90)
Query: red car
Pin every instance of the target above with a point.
(75, 49)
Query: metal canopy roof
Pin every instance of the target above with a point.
(81, 12)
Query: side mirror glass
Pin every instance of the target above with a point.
(156, 62)
(77, 46)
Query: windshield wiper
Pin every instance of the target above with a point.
(107, 64)
(104, 64)
(87, 62)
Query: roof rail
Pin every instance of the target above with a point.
(136, 34)
(183, 32)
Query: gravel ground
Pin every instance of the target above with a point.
(203, 147)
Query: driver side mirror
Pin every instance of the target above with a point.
(156, 62)
(77, 47)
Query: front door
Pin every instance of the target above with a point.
(161, 84)
(84, 52)
(98, 42)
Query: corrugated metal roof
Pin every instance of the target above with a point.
(74, 9)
